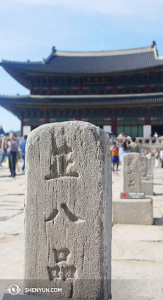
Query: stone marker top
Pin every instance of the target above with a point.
(68, 209)
(131, 173)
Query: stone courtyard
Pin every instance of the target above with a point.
(137, 250)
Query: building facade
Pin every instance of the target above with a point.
(120, 91)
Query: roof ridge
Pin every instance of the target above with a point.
(103, 53)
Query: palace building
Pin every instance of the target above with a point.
(120, 91)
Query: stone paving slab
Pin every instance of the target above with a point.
(123, 232)
(14, 226)
(157, 213)
(12, 199)
(11, 206)
(136, 269)
(134, 250)
(6, 214)
(11, 257)
(137, 289)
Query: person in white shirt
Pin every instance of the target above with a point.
(156, 135)
(149, 155)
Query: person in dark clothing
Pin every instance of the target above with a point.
(22, 146)
(12, 152)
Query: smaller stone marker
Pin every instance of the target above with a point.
(132, 207)
(146, 180)
(131, 173)
(144, 167)
(149, 168)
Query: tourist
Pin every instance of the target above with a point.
(124, 149)
(114, 156)
(111, 134)
(4, 148)
(149, 154)
(128, 143)
(134, 147)
(155, 135)
(161, 157)
(12, 152)
(22, 146)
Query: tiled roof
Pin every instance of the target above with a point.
(80, 101)
(102, 62)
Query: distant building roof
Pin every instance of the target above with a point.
(84, 100)
(102, 62)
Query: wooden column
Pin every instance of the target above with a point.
(114, 126)
(147, 84)
(114, 122)
(114, 87)
(148, 122)
(46, 119)
(21, 129)
(49, 87)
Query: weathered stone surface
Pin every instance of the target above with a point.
(149, 166)
(150, 177)
(131, 173)
(68, 213)
(144, 166)
(126, 211)
(147, 187)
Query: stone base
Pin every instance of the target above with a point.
(133, 211)
(150, 177)
(147, 187)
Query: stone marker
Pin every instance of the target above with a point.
(131, 173)
(149, 166)
(144, 167)
(68, 211)
(132, 208)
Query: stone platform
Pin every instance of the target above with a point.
(133, 211)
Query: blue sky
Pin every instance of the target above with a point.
(29, 29)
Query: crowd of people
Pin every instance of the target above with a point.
(127, 146)
(123, 135)
(10, 150)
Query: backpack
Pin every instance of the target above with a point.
(115, 151)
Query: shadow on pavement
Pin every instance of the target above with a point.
(158, 221)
